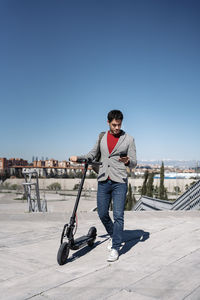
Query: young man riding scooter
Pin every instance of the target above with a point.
(117, 151)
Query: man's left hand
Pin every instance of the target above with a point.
(125, 160)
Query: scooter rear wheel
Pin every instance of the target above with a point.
(63, 253)
(92, 233)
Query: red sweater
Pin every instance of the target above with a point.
(111, 141)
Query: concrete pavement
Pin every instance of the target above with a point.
(160, 258)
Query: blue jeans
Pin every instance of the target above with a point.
(116, 191)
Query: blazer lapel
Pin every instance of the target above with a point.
(104, 140)
(121, 139)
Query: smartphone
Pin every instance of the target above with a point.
(123, 154)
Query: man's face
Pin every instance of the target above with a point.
(115, 126)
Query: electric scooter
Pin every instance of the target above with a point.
(68, 229)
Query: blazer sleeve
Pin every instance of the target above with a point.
(132, 153)
(92, 154)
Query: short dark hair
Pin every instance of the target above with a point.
(115, 114)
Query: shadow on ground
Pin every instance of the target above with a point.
(131, 238)
(83, 251)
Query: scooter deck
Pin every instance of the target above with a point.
(80, 242)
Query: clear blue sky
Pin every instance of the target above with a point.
(65, 64)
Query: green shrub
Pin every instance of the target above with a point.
(54, 186)
(6, 186)
(16, 187)
(76, 186)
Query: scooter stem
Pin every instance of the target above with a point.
(72, 220)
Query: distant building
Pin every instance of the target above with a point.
(12, 162)
(63, 164)
(3, 164)
(17, 162)
(51, 163)
(39, 164)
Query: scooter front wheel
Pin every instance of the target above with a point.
(92, 233)
(63, 253)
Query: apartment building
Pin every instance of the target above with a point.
(63, 164)
(9, 163)
(17, 162)
(3, 163)
(51, 163)
(39, 163)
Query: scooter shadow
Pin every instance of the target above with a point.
(83, 251)
(131, 238)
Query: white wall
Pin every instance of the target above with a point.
(68, 184)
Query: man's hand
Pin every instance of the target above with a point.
(124, 159)
(73, 158)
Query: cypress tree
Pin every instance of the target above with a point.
(134, 200)
(150, 187)
(144, 186)
(162, 187)
(165, 195)
(129, 199)
(156, 191)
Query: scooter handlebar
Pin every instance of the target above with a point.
(88, 161)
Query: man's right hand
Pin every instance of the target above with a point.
(73, 158)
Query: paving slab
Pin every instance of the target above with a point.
(160, 258)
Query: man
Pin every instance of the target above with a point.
(118, 151)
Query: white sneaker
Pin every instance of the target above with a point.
(113, 255)
(109, 245)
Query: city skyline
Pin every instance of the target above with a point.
(64, 65)
(40, 162)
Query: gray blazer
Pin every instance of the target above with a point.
(111, 166)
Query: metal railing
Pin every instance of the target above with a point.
(31, 191)
(189, 200)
